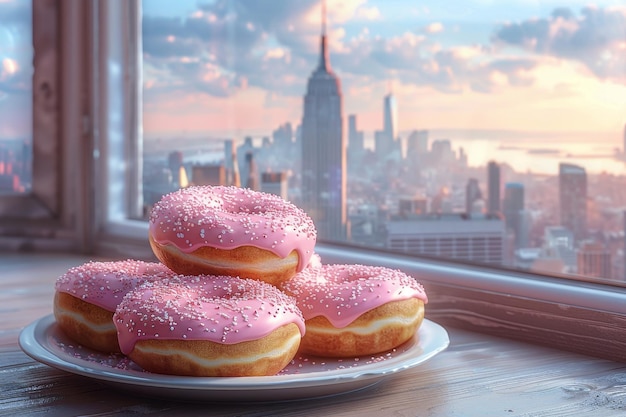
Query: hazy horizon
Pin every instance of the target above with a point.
(536, 154)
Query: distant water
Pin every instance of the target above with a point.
(537, 152)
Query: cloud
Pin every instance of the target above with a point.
(225, 47)
(222, 47)
(596, 38)
(272, 44)
(368, 13)
(434, 27)
(414, 59)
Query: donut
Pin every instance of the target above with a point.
(356, 310)
(209, 326)
(217, 230)
(86, 297)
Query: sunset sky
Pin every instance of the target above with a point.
(242, 65)
(463, 64)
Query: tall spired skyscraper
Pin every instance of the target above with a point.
(324, 149)
(386, 138)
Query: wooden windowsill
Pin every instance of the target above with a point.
(477, 375)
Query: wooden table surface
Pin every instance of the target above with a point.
(477, 375)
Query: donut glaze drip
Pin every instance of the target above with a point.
(341, 293)
(106, 283)
(221, 309)
(230, 217)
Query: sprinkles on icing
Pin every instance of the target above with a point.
(106, 283)
(215, 308)
(341, 293)
(230, 217)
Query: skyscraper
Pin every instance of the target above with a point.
(594, 260)
(390, 122)
(177, 168)
(283, 136)
(573, 199)
(513, 210)
(418, 142)
(324, 149)
(382, 144)
(231, 163)
(472, 193)
(493, 187)
(385, 139)
(242, 164)
(417, 146)
(355, 137)
(252, 182)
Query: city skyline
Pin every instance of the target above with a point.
(236, 69)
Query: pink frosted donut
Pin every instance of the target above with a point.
(86, 297)
(209, 326)
(354, 310)
(231, 231)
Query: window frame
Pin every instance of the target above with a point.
(585, 317)
(117, 121)
(56, 214)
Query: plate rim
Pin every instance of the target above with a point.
(436, 336)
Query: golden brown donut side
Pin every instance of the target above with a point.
(85, 323)
(244, 261)
(375, 331)
(261, 357)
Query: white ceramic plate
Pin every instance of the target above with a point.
(305, 377)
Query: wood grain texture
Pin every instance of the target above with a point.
(478, 375)
(560, 326)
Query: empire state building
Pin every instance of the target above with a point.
(324, 150)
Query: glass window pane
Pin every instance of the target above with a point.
(490, 133)
(16, 56)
